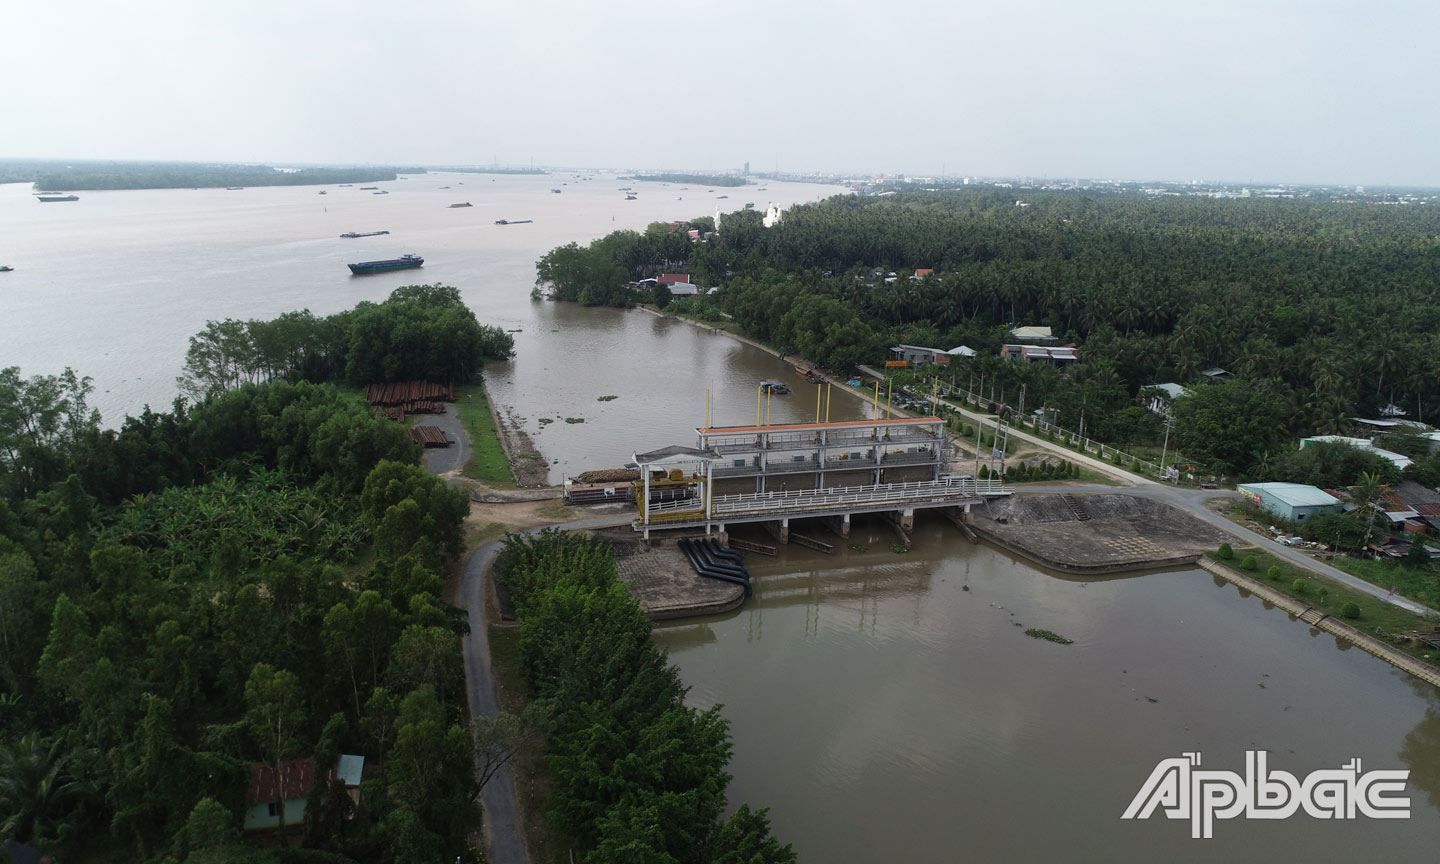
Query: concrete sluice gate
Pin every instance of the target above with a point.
(773, 473)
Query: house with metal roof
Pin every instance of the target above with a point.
(1398, 460)
(1160, 402)
(1033, 334)
(292, 789)
(919, 355)
(1295, 502)
(1032, 353)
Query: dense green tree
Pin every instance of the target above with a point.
(1229, 425)
(275, 720)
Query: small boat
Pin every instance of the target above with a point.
(404, 262)
(466, 204)
(350, 235)
(368, 188)
(630, 198)
(346, 185)
(809, 375)
(556, 191)
(323, 192)
(770, 385)
(49, 198)
(233, 188)
(381, 192)
(444, 187)
(718, 197)
(513, 221)
(5, 268)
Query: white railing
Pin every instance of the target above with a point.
(1073, 439)
(811, 499)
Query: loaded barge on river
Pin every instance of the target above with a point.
(404, 262)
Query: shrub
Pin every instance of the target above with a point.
(1273, 573)
(1322, 592)
(1350, 610)
(1249, 563)
(1298, 586)
(1225, 553)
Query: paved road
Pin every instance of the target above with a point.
(504, 832)
(442, 460)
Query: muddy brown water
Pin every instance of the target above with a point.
(885, 713)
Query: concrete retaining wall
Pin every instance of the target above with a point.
(1083, 569)
(1399, 659)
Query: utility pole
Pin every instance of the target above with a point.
(1164, 447)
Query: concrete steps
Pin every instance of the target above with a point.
(1076, 508)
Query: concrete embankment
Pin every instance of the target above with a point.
(1094, 534)
(1322, 621)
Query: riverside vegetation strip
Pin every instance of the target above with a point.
(633, 773)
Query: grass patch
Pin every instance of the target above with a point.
(574, 419)
(487, 457)
(532, 775)
(1048, 636)
(545, 421)
(1420, 585)
(606, 398)
(1377, 617)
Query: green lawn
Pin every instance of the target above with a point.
(1377, 617)
(487, 457)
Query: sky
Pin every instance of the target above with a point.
(1283, 91)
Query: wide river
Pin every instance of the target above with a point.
(886, 707)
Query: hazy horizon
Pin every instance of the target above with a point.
(1265, 92)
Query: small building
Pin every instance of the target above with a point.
(1032, 353)
(923, 272)
(1160, 402)
(1295, 502)
(1216, 374)
(1398, 460)
(963, 351)
(297, 778)
(1032, 334)
(673, 278)
(685, 289)
(918, 355)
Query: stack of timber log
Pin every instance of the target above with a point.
(609, 475)
(402, 392)
(428, 436)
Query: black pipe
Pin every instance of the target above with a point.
(722, 551)
(692, 553)
(721, 566)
